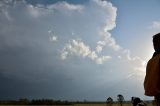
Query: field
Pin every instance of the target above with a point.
(101, 104)
(115, 104)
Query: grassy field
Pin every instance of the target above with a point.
(126, 104)
(101, 104)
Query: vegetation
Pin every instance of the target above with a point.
(109, 101)
(120, 99)
(35, 102)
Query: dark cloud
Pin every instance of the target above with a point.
(30, 64)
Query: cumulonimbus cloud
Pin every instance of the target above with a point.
(26, 53)
(104, 22)
(109, 22)
(78, 48)
(64, 6)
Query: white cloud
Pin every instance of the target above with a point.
(108, 40)
(64, 55)
(93, 55)
(138, 64)
(111, 11)
(107, 13)
(99, 48)
(38, 10)
(155, 25)
(53, 38)
(103, 20)
(110, 23)
(140, 69)
(42, 10)
(128, 54)
(119, 57)
(78, 48)
(101, 43)
(64, 6)
(34, 11)
(102, 59)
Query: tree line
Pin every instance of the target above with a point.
(120, 100)
(25, 101)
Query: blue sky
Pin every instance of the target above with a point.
(75, 49)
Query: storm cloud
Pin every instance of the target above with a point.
(62, 51)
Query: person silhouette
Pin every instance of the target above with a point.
(135, 100)
(152, 77)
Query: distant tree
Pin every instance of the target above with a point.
(23, 101)
(109, 101)
(120, 99)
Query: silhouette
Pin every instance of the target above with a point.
(109, 101)
(136, 101)
(120, 99)
(152, 78)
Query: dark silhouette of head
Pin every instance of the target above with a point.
(156, 42)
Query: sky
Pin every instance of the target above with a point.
(75, 49)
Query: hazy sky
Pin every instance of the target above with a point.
(75, 49)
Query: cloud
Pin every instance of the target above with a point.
(109, 24)
(133, 58)
(78, 48)
(108, 20)
(138, 64)
(107, 12)
(99, 48)
(64, 6)
(155, 25)
(53, 37)
(4, 8)
(70, 21)
(28, 56)
(102, 59)
(107, 40)
(42, 10)
(36, 11)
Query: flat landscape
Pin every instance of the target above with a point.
(94, 104)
